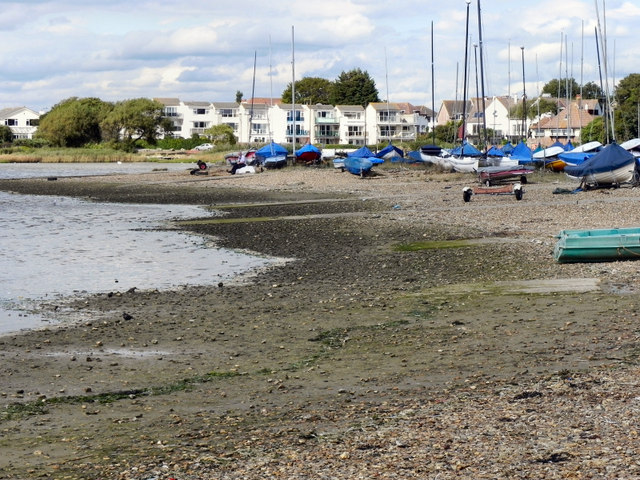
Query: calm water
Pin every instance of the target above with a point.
(54, 247)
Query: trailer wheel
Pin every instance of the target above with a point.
(466, 194)
(523, 179)
(487, 183)
(518, 193)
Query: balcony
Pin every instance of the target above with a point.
(326, 120)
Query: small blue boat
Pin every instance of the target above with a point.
(599, 245)
(358, 165)
(272, 155)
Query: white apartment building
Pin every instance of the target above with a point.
(261, 120)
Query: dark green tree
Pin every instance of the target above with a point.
(591, 90)
(131, 120)
(74, 122)
(310, 91)
(594, 131)
(355, 87)
(558, 89)
(627, 107)
(6, 135)
(239, 95)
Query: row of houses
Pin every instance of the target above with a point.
(544, 129)
(259, 120)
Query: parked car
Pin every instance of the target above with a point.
(204, 146)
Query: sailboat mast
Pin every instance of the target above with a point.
(293, 88)
(524, 100)
(253, 90)
(484, 107)
(464, 85)
(386, 79)
(433, 96)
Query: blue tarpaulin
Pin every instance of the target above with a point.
(610, 158)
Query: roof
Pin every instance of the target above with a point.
(198, 104)
(11, 111)
(350, 107)
(225, 105)
(263, 101)
(578, 118)
(169, 102)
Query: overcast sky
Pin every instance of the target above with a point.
(203, 50)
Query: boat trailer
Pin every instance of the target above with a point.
(512, 189)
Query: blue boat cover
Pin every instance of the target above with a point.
(362, 152)
(467, 150)
(568, 146)
(522, 153)
(388, 149)
(575, 157)
(308, 148)
(611, 157)
(413, 156)
(495, 152)
(507, 148)
(557, 143)
(271, 150)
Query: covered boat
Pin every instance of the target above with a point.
(390, 152)
(522, 154)
(599, 245)
(272, 155)
(358, 165)
(365, 152)
(613, 165)
(435, 155)
(465, 158)
(308, 154)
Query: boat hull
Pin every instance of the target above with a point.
(602, 245)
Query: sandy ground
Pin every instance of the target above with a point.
(408, 335)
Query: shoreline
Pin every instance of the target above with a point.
(385, 342)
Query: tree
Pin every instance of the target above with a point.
(591, 90)
(627, 100)
(6, 135)
(354, 87)
(222, 133)
(131, 120)
(558, 89)
(239, 95)
(310, 91)
(74, 122)
(594, 131)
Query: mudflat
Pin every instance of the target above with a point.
(404, 334)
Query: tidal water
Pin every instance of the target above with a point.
(56, 247)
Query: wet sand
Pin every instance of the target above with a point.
(409, 334)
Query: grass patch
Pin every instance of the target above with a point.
(431, 245)
(39, 407)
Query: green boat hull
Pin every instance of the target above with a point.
(603, 245)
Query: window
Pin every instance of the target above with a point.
(12, 122)
(227, 112)
(199, 124)
(171, 111)
(199, 111)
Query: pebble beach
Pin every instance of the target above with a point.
(404, 333)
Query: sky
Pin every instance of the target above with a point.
(204, 50)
